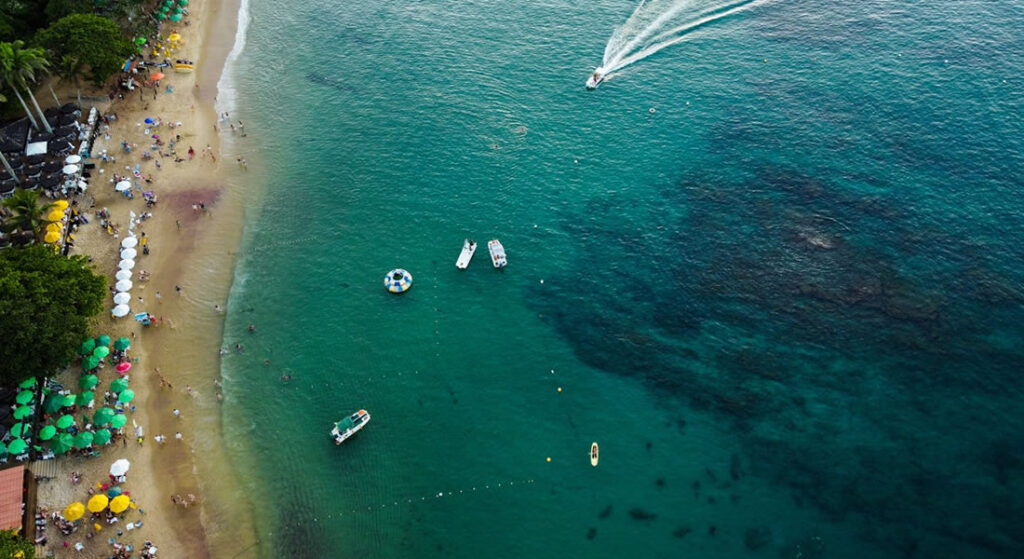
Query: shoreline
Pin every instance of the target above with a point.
(193, 250)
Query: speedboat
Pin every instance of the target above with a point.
(593, 454)
(349, 426)
(497, 253)
(596, 78)
(468, 248)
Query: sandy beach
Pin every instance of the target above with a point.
(193, 233)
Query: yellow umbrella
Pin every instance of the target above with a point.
(51, 237)
(55, 215)
(119, 504)
(98, 502)
(174, 37)
(61, 204)
(55, 227)
(74, 511)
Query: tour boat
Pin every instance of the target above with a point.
(497, 253)
(593, 454)
(349, 426)
(468, 248)
(596, 78)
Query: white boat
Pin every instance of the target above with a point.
(468, 249)
(596, 78)
(497, 253)
(593, 454)
(349, 426)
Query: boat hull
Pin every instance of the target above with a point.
(468, 250)
(498, 258)
(348, 427)
(594, 454)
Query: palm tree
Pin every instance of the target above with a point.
(18, 67)
(26, 212)
(3, 158)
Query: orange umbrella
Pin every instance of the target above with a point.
(157, 76)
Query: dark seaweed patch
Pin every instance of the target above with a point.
(638, 513)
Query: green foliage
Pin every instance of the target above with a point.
(19, 66)
(27, 214)
(11, 543)
(95, 44)
(56, 9)
(46, 301)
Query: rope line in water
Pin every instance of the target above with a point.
(432, 497)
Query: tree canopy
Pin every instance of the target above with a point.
(14, 546)
(91, 43)
(27, 214)
(46, 301)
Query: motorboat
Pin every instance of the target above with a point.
(497, 253)
(596, 78)
(593, 454)
(468, 249)
(349, 426)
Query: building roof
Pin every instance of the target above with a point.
(11, 482)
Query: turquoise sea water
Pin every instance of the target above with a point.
(787, 301)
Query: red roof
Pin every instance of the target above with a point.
(11, 482)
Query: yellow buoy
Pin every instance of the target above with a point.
(549, 458)
(559, 388)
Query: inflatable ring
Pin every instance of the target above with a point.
(398, 281)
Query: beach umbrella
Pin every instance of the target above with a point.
(69, 400)
(129, 242)
(119, 504)
(174, 37)
(120, 310)
(157, 76)
(122, 298)
(74, 511)
(51, 237)
(65, 440)
(103, 340)
(120, 467)
(27, 383)
(24, 397)
(72, 159)
(53, 403)
(97, 502)
(118, 385)
(114, 492)
(87, 346)
(124, 367)
(18, 429)
(22, 412)
(123, 186)
(128, 254)
(126, 396)
(123, 274)
(70, 169)
(119, 421)
(175, 17)
(83, 439)
(88, 381)
(55, 215)
(102, 416)
(161, 15)
(102, 437)
(101, 351)
(122, 343)
(65, 421)
(123, 285)
(84, 398)
(126, 264)
(140, 41)
(183, 2)
(91, 362)
(16, 447)
(53, 228)
(47, 432)
(164, 9)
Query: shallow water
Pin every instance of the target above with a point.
(786, 302)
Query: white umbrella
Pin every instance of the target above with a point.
(129, 242)
(119, 467)
(72, 159)
(152, 550)
(122, 186)
(128, 254)
(120, 310)
(126, 264)
(123, 274)
(123, 285)
(122, 298)
(70, 169)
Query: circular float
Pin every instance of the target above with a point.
(398, 281)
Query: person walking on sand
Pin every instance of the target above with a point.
(191, 153)
(176, 413)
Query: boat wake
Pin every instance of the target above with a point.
(657, 24)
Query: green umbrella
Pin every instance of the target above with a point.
(175, 17)
(28, 383)
(65, 421)
(90, 363)
(83, 439)
(117, 385)
(119, 421)
(88, 381)
(183, 2)
(126, 396)
(84, 398)
(87, 346)
(18, 429)
(161, 15)
(102, 437)
(53, 403)
(168, 3)
(103, 340)
(140, 40)
(102, 416)
(22, 412)
(47, 432)
(17, 446)
(122, 344)
(24, 397)
(58, 446)
(101, 351)
(69, 400)
(178, 10)
(165, 9)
